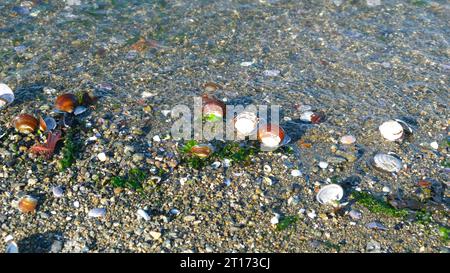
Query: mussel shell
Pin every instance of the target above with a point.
(387, 162)
(202, 150)
(66, 102)
(271, 135)
(330, 193)
(25, 123)
(27, 204)
(6, 95)
(246, 123)
(406, 126)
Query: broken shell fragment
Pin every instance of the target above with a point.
(12, 247)
(66, 102)
(391, 130)
(6, 95)
(143, 214)
(330, 193)
(97, 212)
(79, 110)
(271, 135)
(27, 204)
(246, 123)
(25, 123)
(387, 162)
(202, 150)
(212, 108)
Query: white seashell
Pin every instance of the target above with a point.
(227, 181)
(156, 138)
(216, 164)
(6, 95)
(330, 193)
(275, 219)
(226, 162)
(306, 116)
(12, 247)
(245, 64)
(97, 212)
(79, 110)
(246, 123)
(271, 73)
(296, 173)
(387, 162)
(267, 169)
(155, 179)
(391, 130)
(142, 214)
(323, 164)
(348, 139)
(58, 192)
(434, 145)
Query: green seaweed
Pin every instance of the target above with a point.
(378, 206)
(286, 222)
(133, 181)
(69, 150)
(443, 232)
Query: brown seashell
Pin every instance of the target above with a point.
(25, 123)
(27, 204)
(42, 125)
(212, 106)
(211, 86)
(202, 150)
(66, 102)
(271, 135)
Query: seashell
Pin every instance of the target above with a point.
(387, 162)
(155, 179)
(215, 164)
(97, 212)
(246, 123)
(202, 150)
(347, 139)
(330, 193)
(306, 115)
(143, 214)
(406, 127)
(12, 247)
(376, 226)
(79, 110)
(25, 123)
(66, 102)
(391, 130)
(212, 107)
(296, 173)
(58, 191)
(270, 135)
(211, 86)
(27, 204)
(48, 124)
(6, 95)
(174, 211)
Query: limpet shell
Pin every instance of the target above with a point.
(330, 193)
(387, 162)
(6, 95)
(27, 204)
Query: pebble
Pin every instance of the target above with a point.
(97, 212)
(227, 181)
(189, 218)
(57, 191)
(373, 247)
(245, 64)
(376, 226)
(386, 189)
(156, 138)
(323, 164)
(312, 214)
(56, 247)
(76, 204)
(267, 169)
(155, 235)
(138, 157)
(296, 173)
(434, 145)
(143, 214)
(271, 73)
(275, 219)
(175, 212)
(355, 214)
(373, 3)
(101, 157)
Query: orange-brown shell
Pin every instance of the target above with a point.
(212, 105)
(268, 130)
(25, 123)
(66, 102)
(202, 150)
(27, 204)
(211, 86)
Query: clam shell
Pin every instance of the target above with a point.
(79, 110)
(6, 95)
(387, 162)
(330, 193)
(143, 214)
(391, 130)
(66, 102)
(306, 116)
(48, 124)
(97, 212)
(202, 150)
(12, 247)
(271, 135)
(27, 204)
(212, 106)
(25, 123)
(246, 123)
(58, 191)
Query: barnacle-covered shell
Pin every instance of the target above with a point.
(6, 95)
(330, 193)
(25, 123)
(387, 162)
(27, 204)
(246, 123)
(271, 135)
(66, 102)
(391, 130)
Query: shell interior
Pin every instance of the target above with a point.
(387, 162)
(330, 193)
(6, 95)
(246, 123)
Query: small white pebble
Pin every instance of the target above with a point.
(386, 189)
(245, 64)
(323, 164)
(434, 145)
(156, 138)
(76, 204)
(275, 219)
(101, 157)
(312, 214)
(143, 214)
(348, 139)
(296, 173)
(267, 169)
